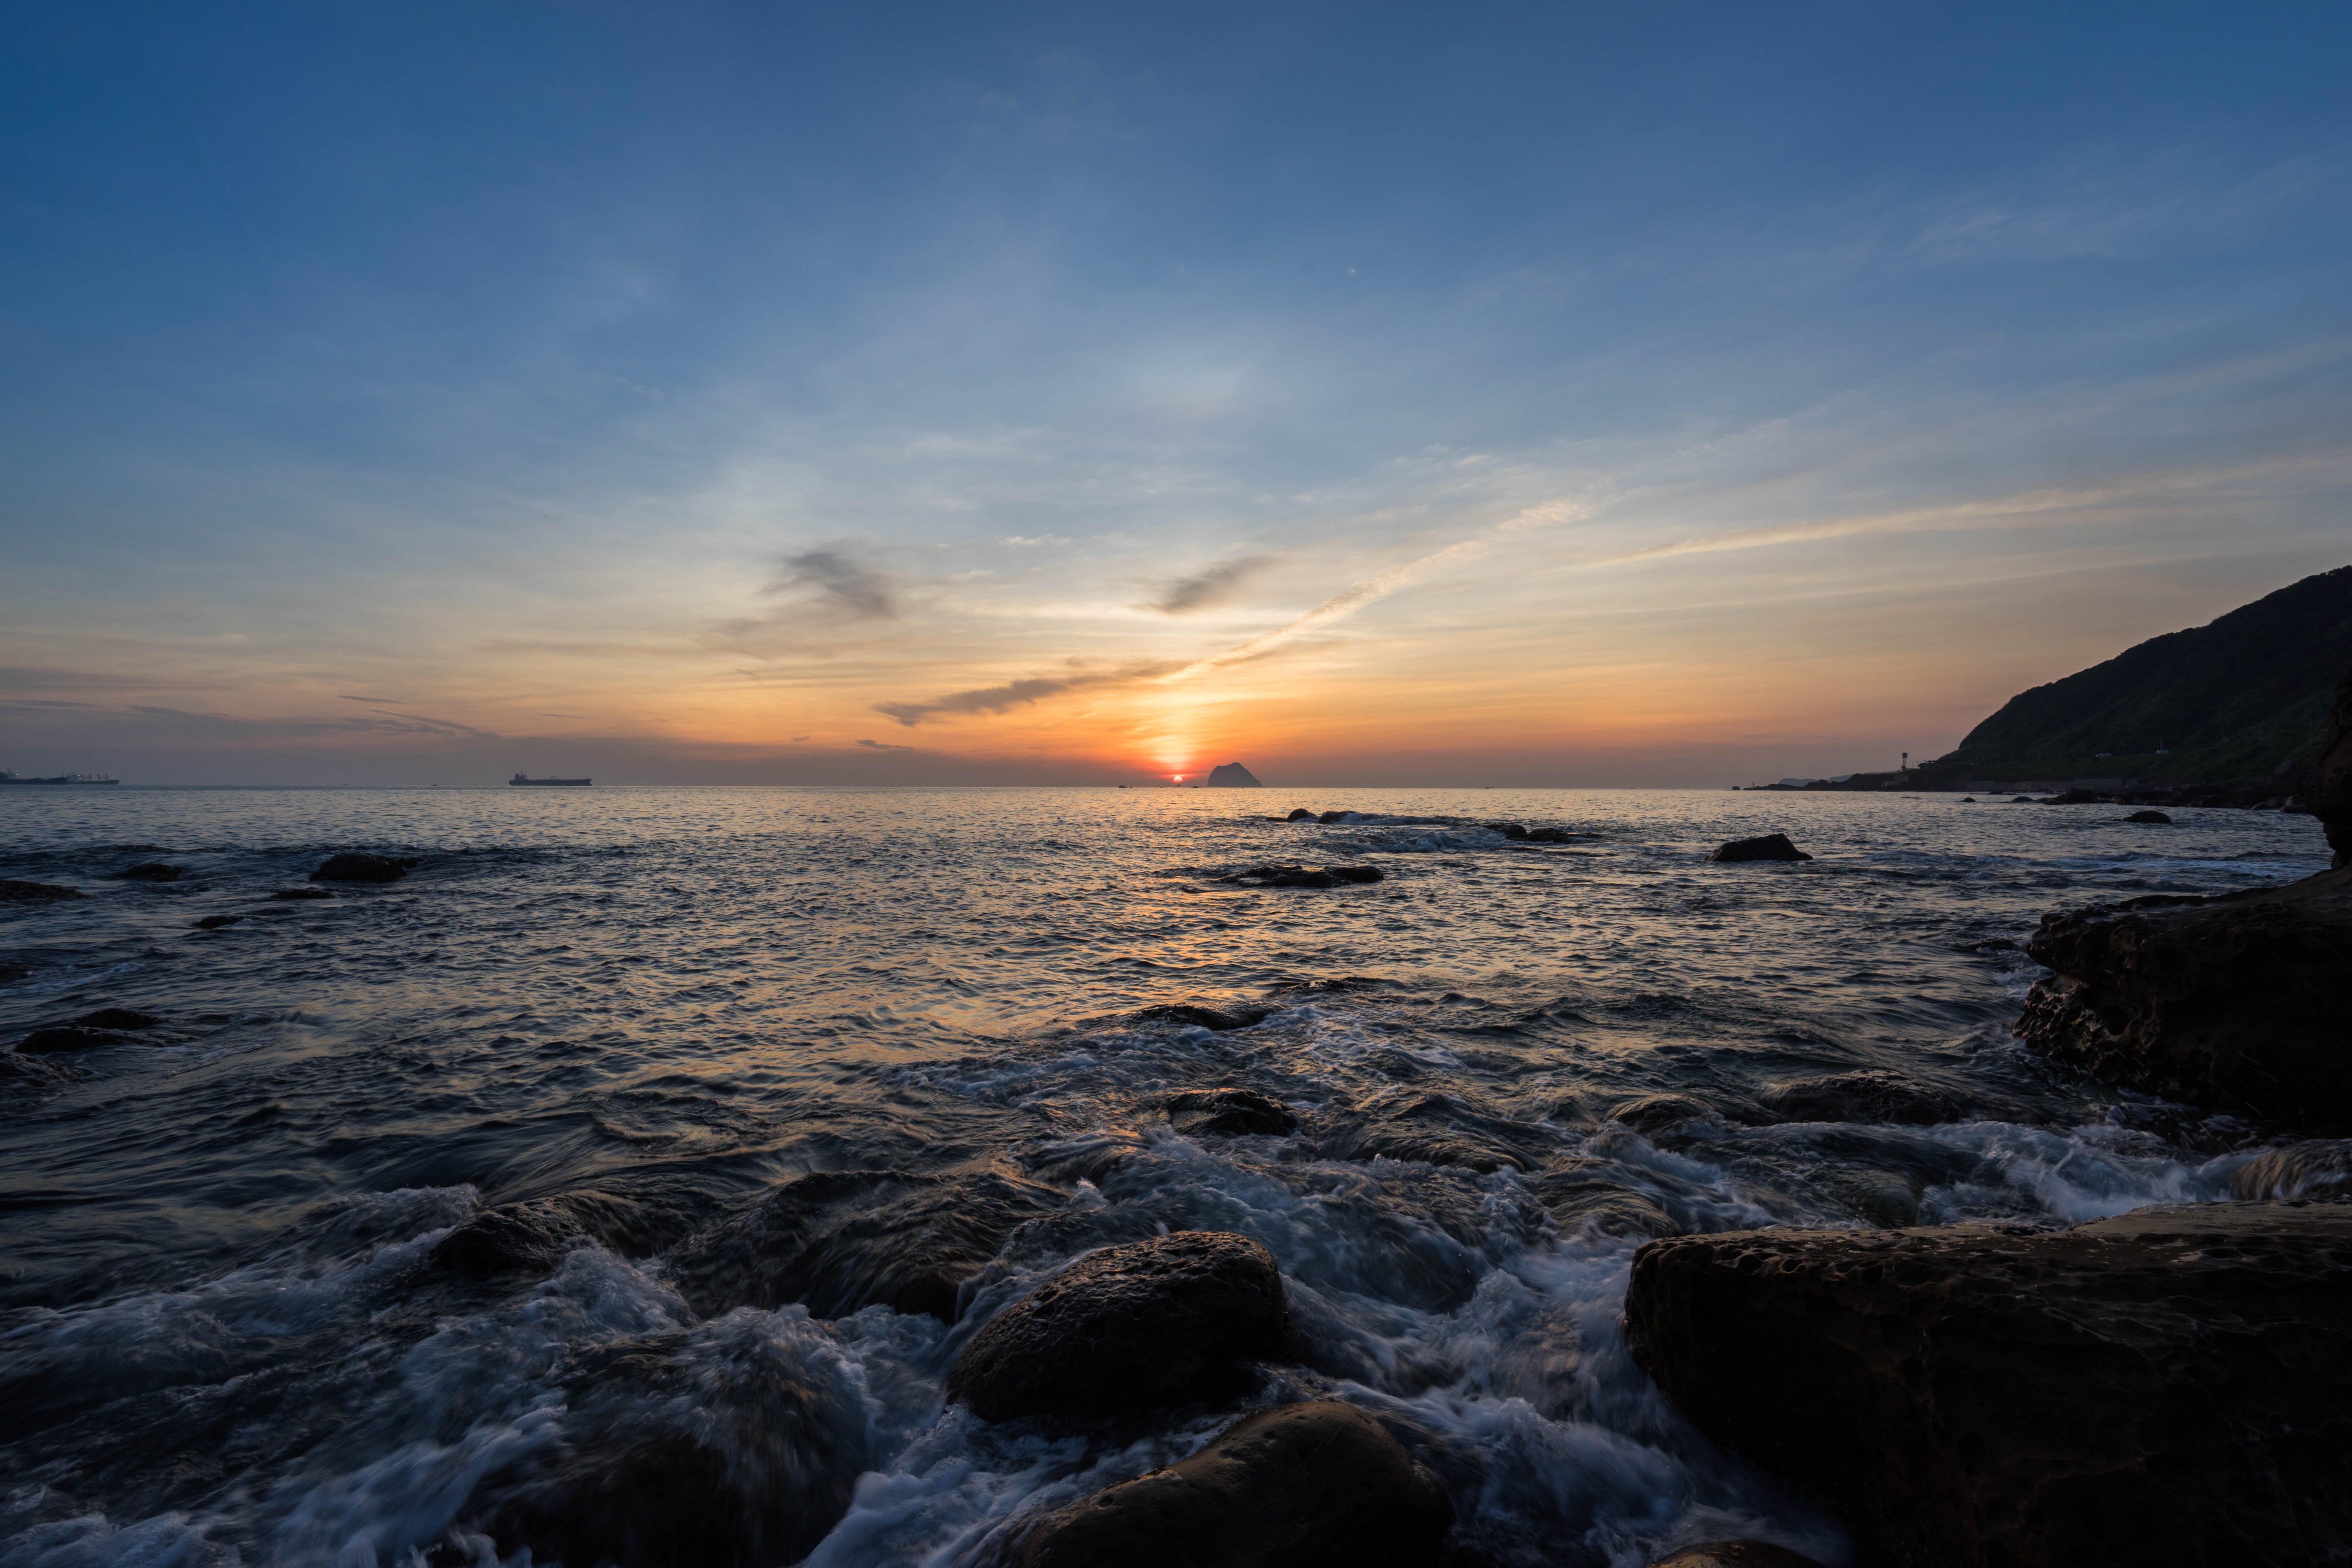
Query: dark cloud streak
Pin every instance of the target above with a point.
(1016, 693)
(1212, 586)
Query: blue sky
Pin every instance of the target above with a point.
(1702, 391)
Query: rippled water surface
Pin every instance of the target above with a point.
(225, 1338)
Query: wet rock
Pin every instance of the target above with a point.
(1585, 1196)
(214, 922)
(1228, 1113)
(1770, 847)
(1358, 873)
(1882, 1197)
(1301, 814)
(743, 1452)
(107, 1027)
(1507, 829)
(357, 868)
(2160, 1387)
(1865, 1096)
(1737, 1555)
(2021, 800)
(1436, 1130)
(1320, 1485)
(1219, 1019)
(150, 871)
(1549, 836)
(293, 895)
(1655, 1113)
(16, 893)
(1129, 1327)
(1304, 875)
(533, 1236)
(843, 1240)
(2236, 1002)
(2148, 816)
(2321, 1169)
(1335, 816)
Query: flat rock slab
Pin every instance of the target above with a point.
(13, 891)
(1301, 1486)
(2240, 1002)
(1127, 1328)
(2167, 1387)
(1770, 847)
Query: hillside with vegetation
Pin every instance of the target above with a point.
(2240, 698)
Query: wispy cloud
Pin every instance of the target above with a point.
(1202, 589)
(1371, 590)
(838, 582)
(883, 746)
(1016, 693)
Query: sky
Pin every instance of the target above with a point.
(1664, 394)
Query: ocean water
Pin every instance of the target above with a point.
(225, 1337)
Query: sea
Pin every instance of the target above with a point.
(227, 1338)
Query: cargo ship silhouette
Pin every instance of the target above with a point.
(9, 778)
(522, 779)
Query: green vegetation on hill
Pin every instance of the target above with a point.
(2235, 699)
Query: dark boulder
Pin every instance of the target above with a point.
(2319, 1169)
(1219, 1019)
(743, 1452)
(2161, 1388)
(843, 1240)
(2238, 1001)
(1868, 1095)
(1300, 1486)
(1335, 816)
(1584, 1196)
(300, 895)
(2150, 816)
(150, 871)
(16, 893)
(1228, 1113)
(1301, 814)
(357, 867)
(1737, 1555)
(1357, 873)
(1303, 876)
(1129, 1327)
(1507, 829)
(2021, 800)
(214, 922)
(1549, 836)
(1770, 847)
(533, 1236)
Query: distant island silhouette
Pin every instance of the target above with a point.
(1230, 775)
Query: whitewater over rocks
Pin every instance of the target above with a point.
(677, 1177)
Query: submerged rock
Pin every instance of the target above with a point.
(2239, 1002)
(1869, 1095)
(118, 1018)
(1229, 1112)
(1129, 1327)
(1436, 1130)
(1507, 829)
(743, 1449)
(91, 1031)
(1585, 1196)
(2148, 816)
(24, 1071)
(1654, 1113)
(2160, 1387)
(1301, 1486)
(2319, 1169)
(150, 871)
(1737, 1555)
(1219, 1019)
(1300, 815)
(292, 895)
(1770, 847)
(533, 1236)
(1549, 836)
(357, 868)
(214, 922)
(1305, 875)
(13, 891)
(843, 1240)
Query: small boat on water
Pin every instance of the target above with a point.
(8, 778)
(522, 779)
